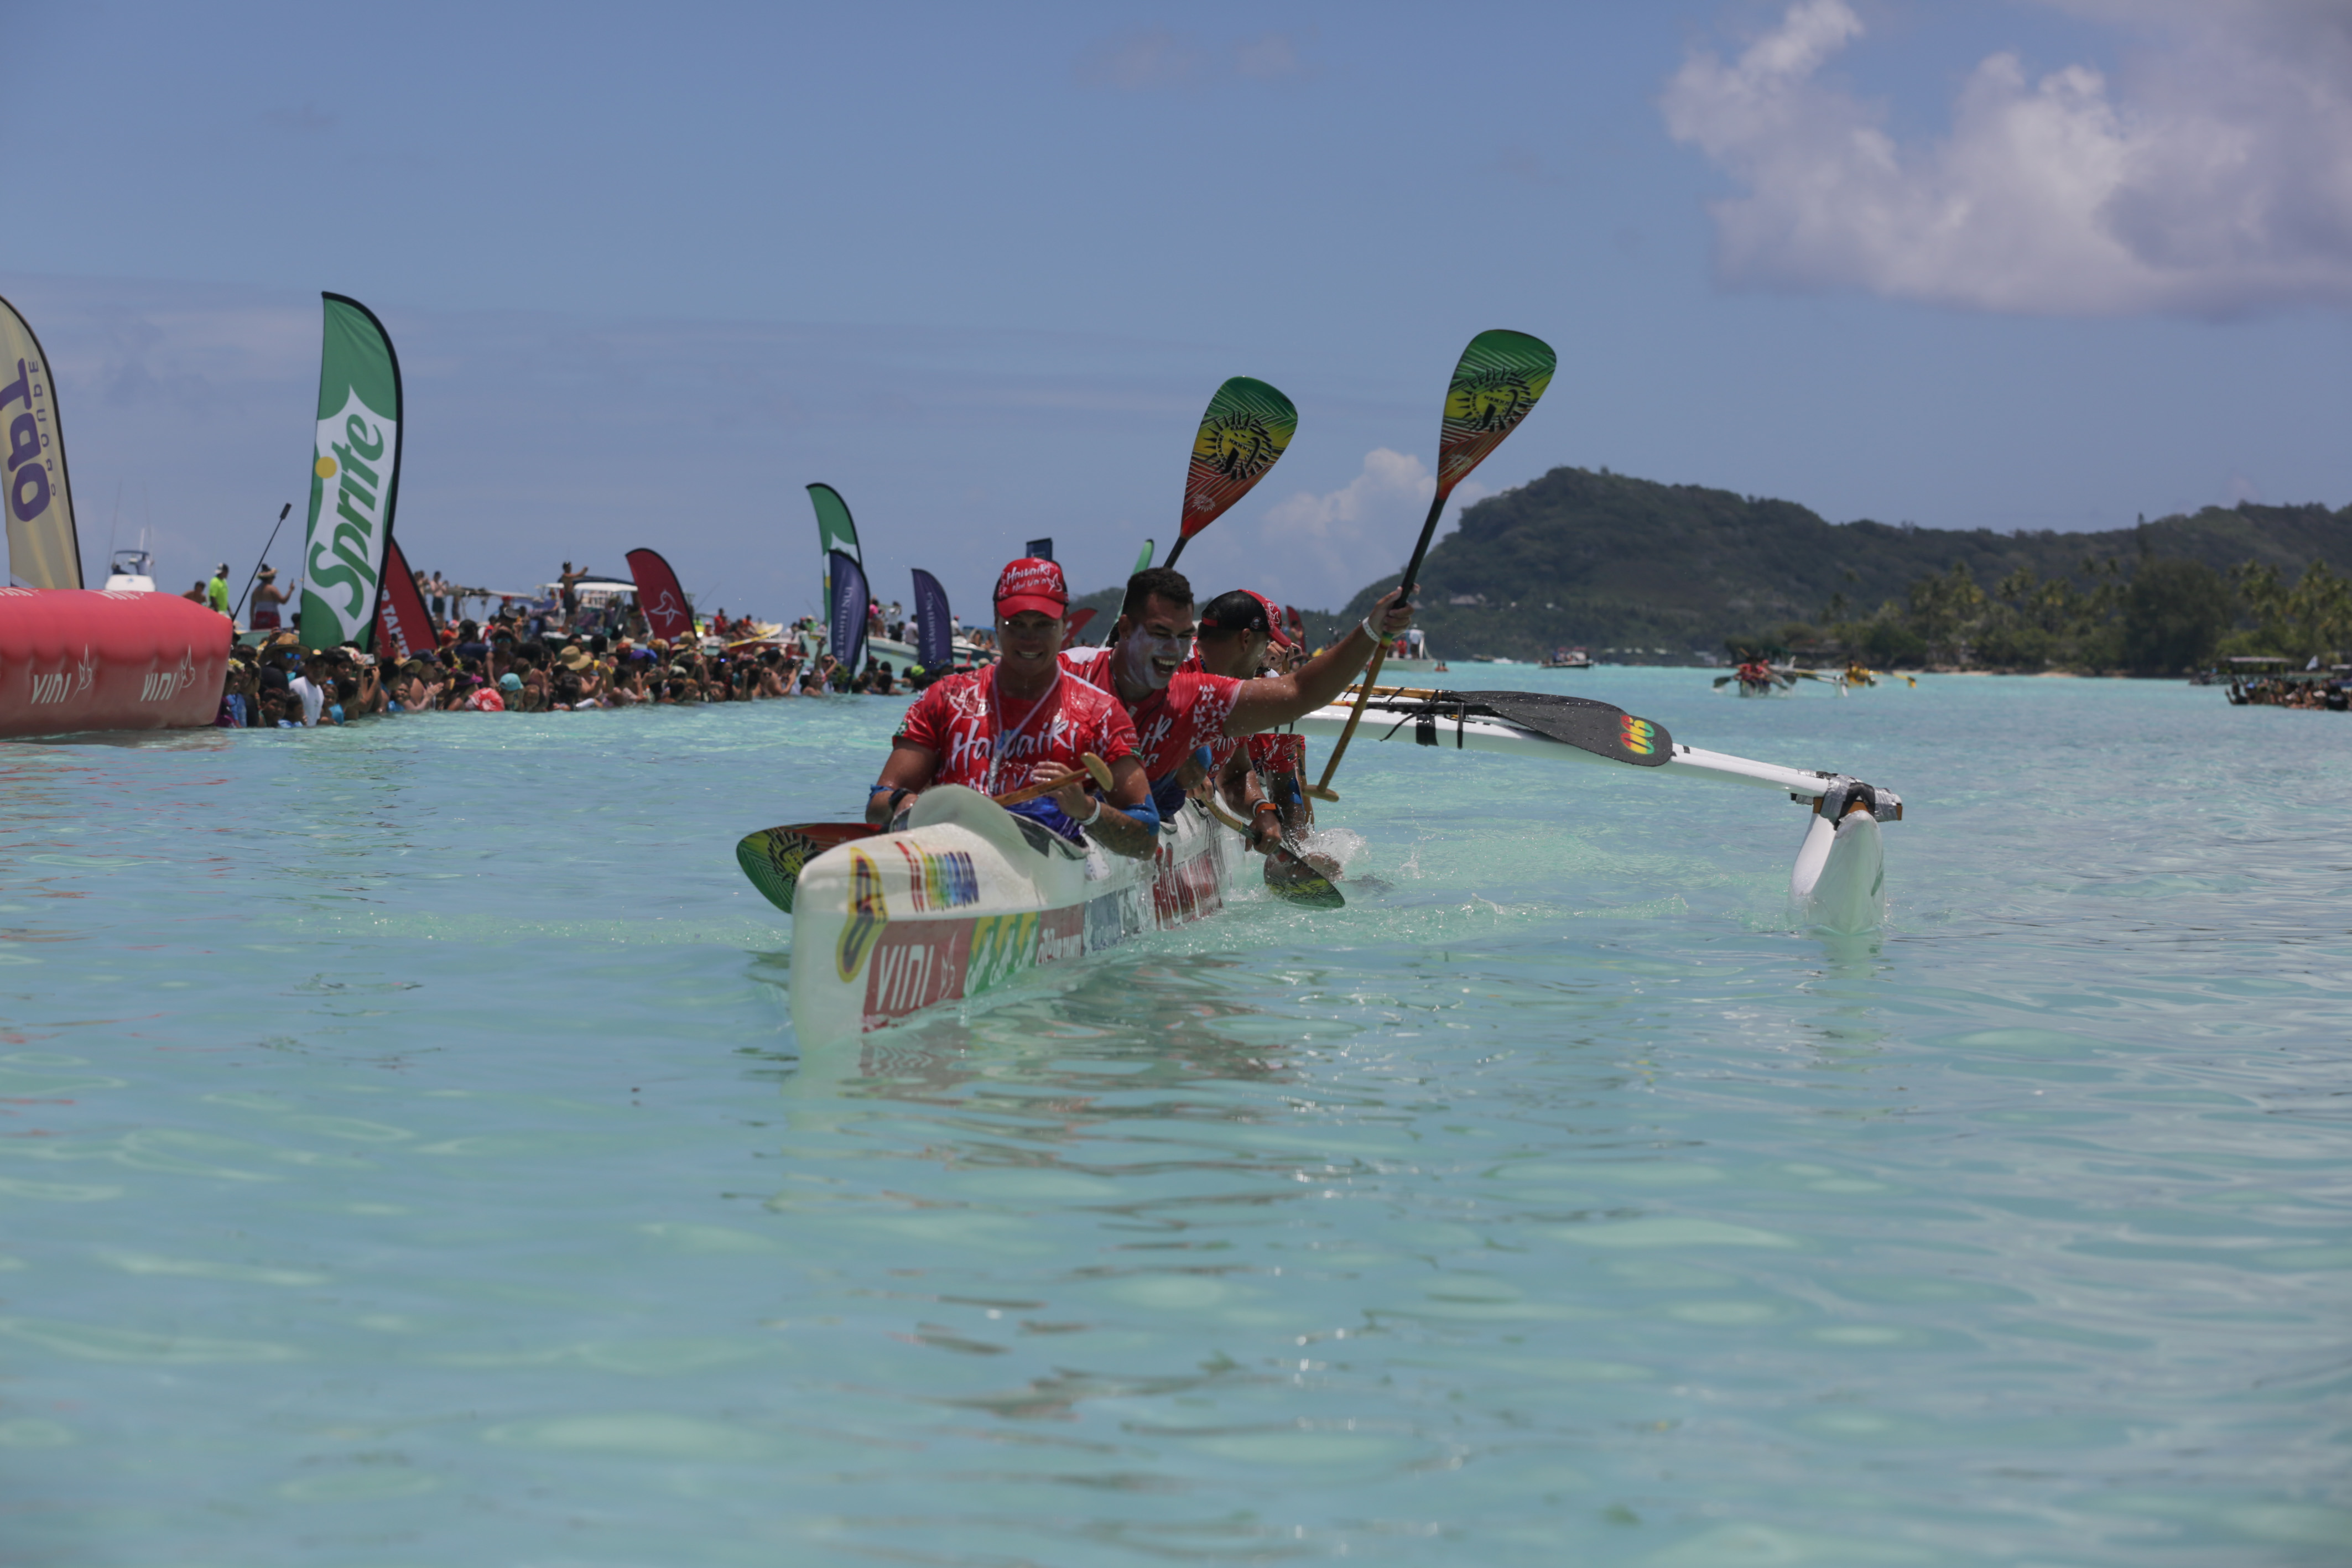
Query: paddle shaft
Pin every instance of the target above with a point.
(283, 512)
(1321, 790)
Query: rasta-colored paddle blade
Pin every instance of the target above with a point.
(773, 857)
(1500, 377)
(1242, 436)
(1291, 879)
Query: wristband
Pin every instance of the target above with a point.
(1089, 818)
(1371, 630)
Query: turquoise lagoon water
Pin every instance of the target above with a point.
(406, 1158)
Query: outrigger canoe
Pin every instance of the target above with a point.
(1840, 876)
(968, 898)
(965, 899)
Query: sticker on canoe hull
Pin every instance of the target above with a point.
(869, 912)
(1001, 946)
(916, 963)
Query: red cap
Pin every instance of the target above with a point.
(1273, 618)
(1031, 584)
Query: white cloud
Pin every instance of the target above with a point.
(2221, 181)
(1343, 538)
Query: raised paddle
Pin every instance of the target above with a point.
(1496, 385)
(1242, 436)
(773, 857)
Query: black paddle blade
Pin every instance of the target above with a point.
(1291, 879)
(773, 857)
(1596, 726)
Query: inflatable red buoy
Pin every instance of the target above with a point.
(71, 659)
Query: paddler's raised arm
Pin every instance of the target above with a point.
(1272, 700)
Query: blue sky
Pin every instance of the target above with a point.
(2033, 264)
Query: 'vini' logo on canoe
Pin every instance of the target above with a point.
(916, 963)
(1639, 735)
(868, 914)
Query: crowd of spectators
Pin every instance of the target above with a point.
(501, 666)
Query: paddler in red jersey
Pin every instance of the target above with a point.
(1022, 721)
(1240, 634)
(1179, 708)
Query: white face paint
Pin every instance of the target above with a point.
(1150, 661)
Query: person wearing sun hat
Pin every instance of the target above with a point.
(1023, 721)
(267, 597)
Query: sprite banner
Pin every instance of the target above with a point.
(42, 552)
(834, 531)
(354, 476)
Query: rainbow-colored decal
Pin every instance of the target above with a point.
(1501, 376)
(1638, 735)
(1242, 434)
(946, 881)
(868, 914)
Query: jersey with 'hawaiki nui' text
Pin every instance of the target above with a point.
(962, 721)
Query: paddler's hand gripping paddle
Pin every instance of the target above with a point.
(1495, 386)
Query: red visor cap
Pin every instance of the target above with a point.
(1273, 618)
(1031, 584)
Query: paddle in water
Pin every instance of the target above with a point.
(773, 857)
(1290, 875)
(1495, 386)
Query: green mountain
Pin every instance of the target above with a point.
(1609, 562)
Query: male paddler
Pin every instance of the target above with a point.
(1240, 634)
(1179, 707)
(1023, 720)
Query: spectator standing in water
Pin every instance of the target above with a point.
(267, 597)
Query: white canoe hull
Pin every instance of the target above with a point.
(963, 901)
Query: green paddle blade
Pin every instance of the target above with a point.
(773, 857)
(1144, 559)
(1242, 436)
(1494, 388)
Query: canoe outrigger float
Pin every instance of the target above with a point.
(969, 896)
(1841, 866)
